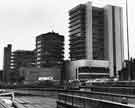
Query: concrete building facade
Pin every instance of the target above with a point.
(37, 74)
(6, 63)
(13, 60)
(49, 49)
(86, 69)
(20, 58)
(96, 35)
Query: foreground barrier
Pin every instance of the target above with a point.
(83, 99)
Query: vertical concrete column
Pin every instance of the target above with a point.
(119, 50)
(106, 47)
(89, 52)
(109, 33)
(122, 36)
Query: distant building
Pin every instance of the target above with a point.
(96, 35)
(49, 49)
(36, 74)
(6, 63)
(21, 58)
(125, 73)
(1, 75)
(86, 69)
(48, 54)
(13, 60)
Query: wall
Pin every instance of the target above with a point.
(32, 74)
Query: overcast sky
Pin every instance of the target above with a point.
(22, 20)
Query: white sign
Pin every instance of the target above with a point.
(45, 78)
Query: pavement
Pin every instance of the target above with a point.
(36, 102)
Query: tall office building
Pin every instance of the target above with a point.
(96, 40)
(87, 32)
(49, 49)
(6, 63)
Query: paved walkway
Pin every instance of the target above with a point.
(36, 102)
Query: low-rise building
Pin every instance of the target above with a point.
(34, 74)
(86, 69)
(128, 72)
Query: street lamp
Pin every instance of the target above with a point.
(129, 70)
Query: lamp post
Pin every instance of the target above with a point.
(129, 70)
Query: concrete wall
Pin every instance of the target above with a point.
(109, 39)
(89, 49)
(119, 38)
(114, 32)
(71, 71)
(33, 74)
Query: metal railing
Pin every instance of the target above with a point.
(83, 99)
(11, 94)
(7, 99)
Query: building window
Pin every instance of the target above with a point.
(12, 67)
(38, 50)
(12, 57)
(38, 58)
(38, 62)
(12, 64)
(38, 54)
(39, 41)
(39, 46)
